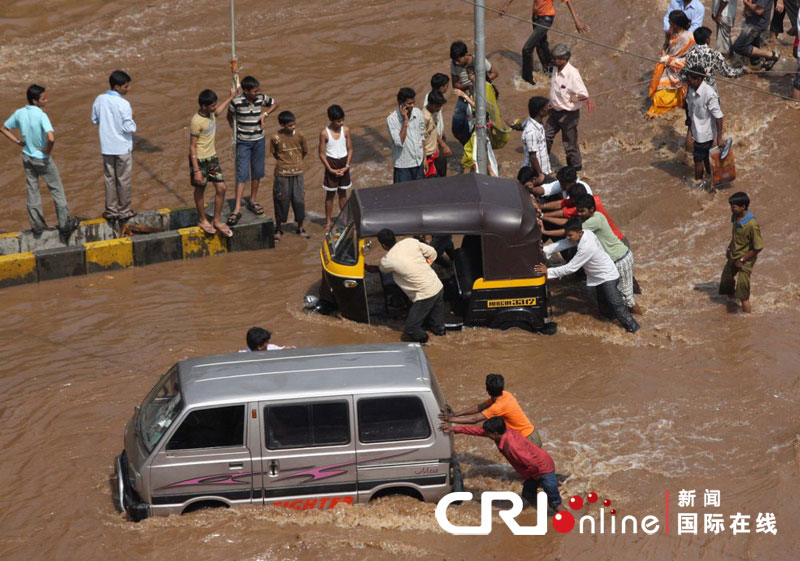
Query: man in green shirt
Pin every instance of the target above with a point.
(742, 251)
(616, 249)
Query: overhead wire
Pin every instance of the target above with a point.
(618, 49)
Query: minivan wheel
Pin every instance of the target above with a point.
(405, 491)
(203, 505)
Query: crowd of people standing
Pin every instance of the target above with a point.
(685, 77)
(572, 215)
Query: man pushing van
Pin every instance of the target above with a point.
(410, 261)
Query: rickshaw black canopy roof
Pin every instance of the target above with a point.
(499, 210)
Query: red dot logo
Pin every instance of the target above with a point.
(606, 502)
(613, 511)
(576, 503)
(592, 497)
(563, 521)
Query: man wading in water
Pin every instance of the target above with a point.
(544, 13)
(410, 261)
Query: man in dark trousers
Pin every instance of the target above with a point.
(542, 16)
(410, 261)
(601, 274)
(533, 464)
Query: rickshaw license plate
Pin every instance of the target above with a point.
(511, 302)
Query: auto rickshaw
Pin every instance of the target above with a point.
(491, 280)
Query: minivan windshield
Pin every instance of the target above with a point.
(159, 409)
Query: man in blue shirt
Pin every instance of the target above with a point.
(113, 115)
(693, 9)
(37, 139)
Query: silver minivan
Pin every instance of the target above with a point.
(300, 429)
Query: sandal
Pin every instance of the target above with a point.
(277, 235)
(255, 208)
(770, 62)
(207, 228)
(234, 218)
(225, 231)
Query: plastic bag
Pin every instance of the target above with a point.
(722, 171)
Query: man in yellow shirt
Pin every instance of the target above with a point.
(203, 161)
(500, 404)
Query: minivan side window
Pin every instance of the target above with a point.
(382, 419)
(210, 428)
(306, 425)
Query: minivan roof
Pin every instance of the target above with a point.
(299, 373)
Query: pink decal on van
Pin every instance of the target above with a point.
(217, 479)
(318, 473)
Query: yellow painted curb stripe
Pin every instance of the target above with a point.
(481, 284)
(164, 210)
(93, 221)
(196, 243)
(110, 254)
(18, 266)
(9, 235)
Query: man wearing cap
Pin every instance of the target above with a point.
(567, 94)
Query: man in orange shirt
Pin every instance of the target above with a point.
(500, 404)
(542, 19)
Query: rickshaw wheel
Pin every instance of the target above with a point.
(506, 325)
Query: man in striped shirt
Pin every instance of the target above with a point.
(249, 109)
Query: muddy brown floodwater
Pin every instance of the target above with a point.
(698, 399)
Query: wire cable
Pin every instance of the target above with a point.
(619, 50)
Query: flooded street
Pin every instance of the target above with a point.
(698, 399)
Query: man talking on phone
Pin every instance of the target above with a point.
(407, 130)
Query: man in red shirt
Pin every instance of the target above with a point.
(558, 212)
(533, 464)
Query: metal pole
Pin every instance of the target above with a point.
(480, 88)
(235, 70)
(233, 32)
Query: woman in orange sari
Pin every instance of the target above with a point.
(667, 90)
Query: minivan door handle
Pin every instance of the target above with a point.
(274, 468)
(236, 465)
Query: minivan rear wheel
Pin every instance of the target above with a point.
(393, 491)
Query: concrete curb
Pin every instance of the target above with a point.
(252, 235)
(10, 243)
(196, 243)
(17, 268)
(157, 248)
(96, 245)
(60, 262)
(108, 255)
